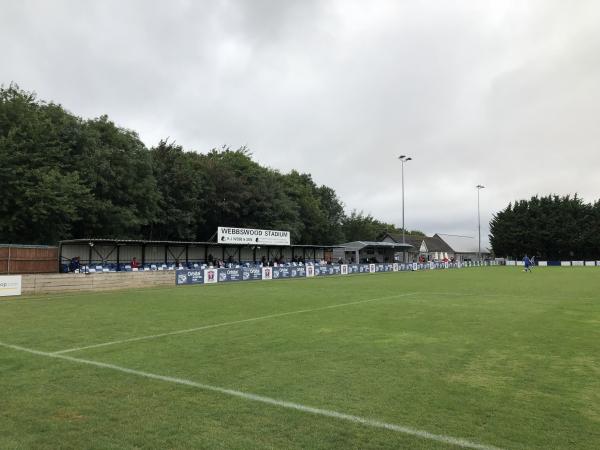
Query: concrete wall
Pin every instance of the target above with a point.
(68, 282)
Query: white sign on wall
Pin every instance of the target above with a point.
(267, 273)
(252, 236)
(10, 285)
(210, 276)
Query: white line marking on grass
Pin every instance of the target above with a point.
(464, 443)
(472, 294)
(223, 324)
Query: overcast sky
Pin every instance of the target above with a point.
(502, 93)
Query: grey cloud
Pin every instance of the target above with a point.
(499, 93)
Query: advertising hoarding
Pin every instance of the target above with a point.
(10, 285)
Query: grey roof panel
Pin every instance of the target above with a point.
(464, 244)
(359, 245)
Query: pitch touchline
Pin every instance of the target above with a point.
(206, 327)
(464, 443)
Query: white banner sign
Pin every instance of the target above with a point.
(10, 285)
(252, 236)
(267, 273)
(210, 276)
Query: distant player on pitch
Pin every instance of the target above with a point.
(527, 263)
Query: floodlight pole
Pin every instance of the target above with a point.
(403, 159)
(479, 188)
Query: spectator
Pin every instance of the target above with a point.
(134, 263)
(74, 264)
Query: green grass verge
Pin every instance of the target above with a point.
(492, 355)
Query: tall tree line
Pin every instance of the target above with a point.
(64, 177)
(551, 227)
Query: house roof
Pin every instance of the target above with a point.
(464, 244)
(433, 243)
(414, 240)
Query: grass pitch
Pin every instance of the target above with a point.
(480, 357)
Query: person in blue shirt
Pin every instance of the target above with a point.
(74, 264)
(527, 263)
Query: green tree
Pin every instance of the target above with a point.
(41, 193)
(550, 227)
(360, 227)
(181, 203)
(333, 210)
(302, 191)
(117, 168)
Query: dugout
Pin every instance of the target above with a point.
(370, 251)
(114, 254)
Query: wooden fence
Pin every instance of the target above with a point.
(17, 259)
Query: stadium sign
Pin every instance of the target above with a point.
(252, 236)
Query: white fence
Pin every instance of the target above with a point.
(558, 263)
